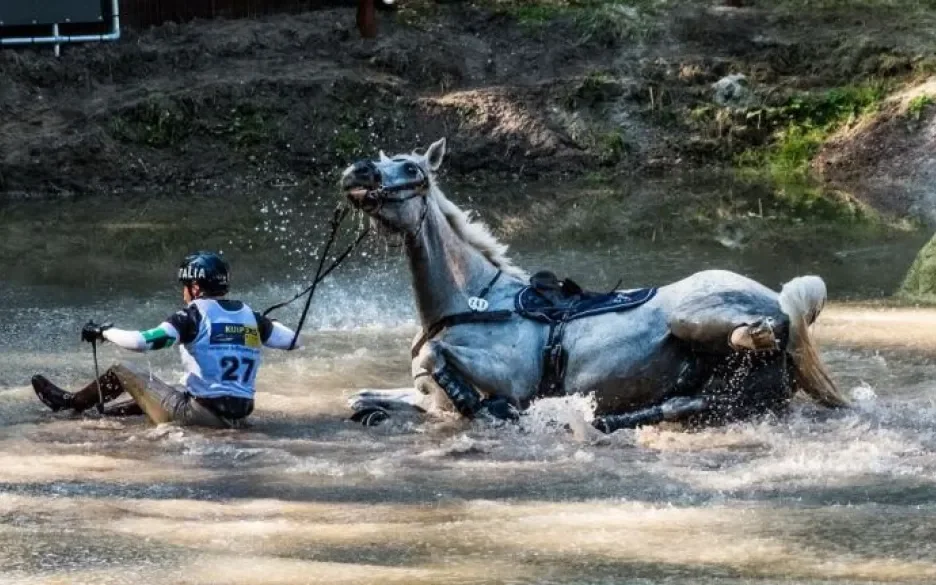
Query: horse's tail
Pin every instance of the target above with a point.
(802, 299)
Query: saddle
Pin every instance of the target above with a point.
(551, 300)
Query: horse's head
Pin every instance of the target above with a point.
(393, 190)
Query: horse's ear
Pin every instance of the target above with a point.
(383, 157)
(435, 153)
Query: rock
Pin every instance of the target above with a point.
(732, 91)
(920, 282)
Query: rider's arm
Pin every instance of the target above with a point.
(274, 334)
(180, 327)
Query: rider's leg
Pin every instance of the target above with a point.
(57, 398)
(163, 403)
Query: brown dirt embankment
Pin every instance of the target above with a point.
(523, 89)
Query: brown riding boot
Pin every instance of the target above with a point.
(57, 399)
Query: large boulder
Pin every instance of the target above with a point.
(920, 282)
(732, 91)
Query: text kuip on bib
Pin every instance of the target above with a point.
(234, 334)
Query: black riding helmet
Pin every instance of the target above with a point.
(206, 269)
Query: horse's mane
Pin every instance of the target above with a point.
(477, 234)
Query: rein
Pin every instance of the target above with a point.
(340, 213)
(97, 378)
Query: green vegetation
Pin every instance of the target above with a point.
(798, 128)
(918, 105)
(156, 122)
(919, 285)
(348, 143)
(902, 5)
(162, 122)
(610, 147)
(803, 123)
(598, 87)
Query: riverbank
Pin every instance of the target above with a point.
(527, 90)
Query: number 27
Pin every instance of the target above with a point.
(231, 364)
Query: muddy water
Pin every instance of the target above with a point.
(304, 497)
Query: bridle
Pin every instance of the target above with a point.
(375, 199)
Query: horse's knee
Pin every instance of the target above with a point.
(432, 357)
(465, 399)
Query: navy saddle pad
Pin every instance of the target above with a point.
(549, 300)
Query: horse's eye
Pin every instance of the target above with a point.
(410, 169)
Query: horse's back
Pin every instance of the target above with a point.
(707, 282)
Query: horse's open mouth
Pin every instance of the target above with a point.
(357, 195)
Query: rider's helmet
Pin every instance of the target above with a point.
(206, 269)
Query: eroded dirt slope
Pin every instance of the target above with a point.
(228, 105)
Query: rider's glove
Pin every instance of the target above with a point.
(92, 332)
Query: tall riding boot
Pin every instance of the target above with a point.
(57, 399)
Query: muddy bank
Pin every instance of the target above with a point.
(889, 158)
(522, 90)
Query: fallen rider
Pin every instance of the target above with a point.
(219, 339)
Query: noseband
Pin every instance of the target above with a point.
(384, 195)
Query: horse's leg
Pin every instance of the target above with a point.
(744, 384)
(737, 386)
(459, 370)
(725, 312)
(372, 407)
(674, 409)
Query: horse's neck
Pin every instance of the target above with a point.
(446, 270)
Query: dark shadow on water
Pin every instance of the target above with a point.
(873, 531)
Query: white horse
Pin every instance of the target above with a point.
(712, 347)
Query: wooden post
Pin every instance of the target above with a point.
(366, 19)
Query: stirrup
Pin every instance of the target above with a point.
(756, 337)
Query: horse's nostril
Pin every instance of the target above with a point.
(365, 172)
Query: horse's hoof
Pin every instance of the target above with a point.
(602, 425)
(683, 406)
(370, 417)
(757, 337)
(500, 409)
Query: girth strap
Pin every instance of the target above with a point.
(466, 317)
(555, 358)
